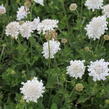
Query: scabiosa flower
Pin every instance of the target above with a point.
(76, 68)
(35, 23)
(41, 2)
(47, 25)
(97, 27)
(106, 10)
(12, 29)
(32, 90)
(2, 9)
(50, 48)
(26, 29)
(98, 70)
(22, 12)
(94, 4)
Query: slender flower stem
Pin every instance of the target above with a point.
(49, 61)
(65, 14)
(102, 43)
(97, 45)
(2, 52)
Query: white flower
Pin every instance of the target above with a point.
(22, 12)
(2, 9)
(35, 23)
(50, 48)
(76, 69)
(26, 29)
(106, 10)
(12, 29)
(47, 25)
(94, 4)
(32, 90)
(98, 69)
(41, 2)
(97, 27)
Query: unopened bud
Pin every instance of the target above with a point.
(87, 49)
(106, 37)
(79, 87)
(107, 101)
(21, 22)
(11, 71)
(27, 3)
(64, 40)
(4, 45)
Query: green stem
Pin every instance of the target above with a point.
(102, 43)
(97, 45)
(49, 61)
(2, 52)
(65, 14)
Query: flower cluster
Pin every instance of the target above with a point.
(98, 25)
(32, 90)
(98, 70)
(13, 29)
(26, 28)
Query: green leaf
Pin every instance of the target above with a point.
(54, 106)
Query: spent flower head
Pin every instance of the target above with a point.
(73, 7)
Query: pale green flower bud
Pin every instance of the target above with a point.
(79, 87)
(107, 101)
